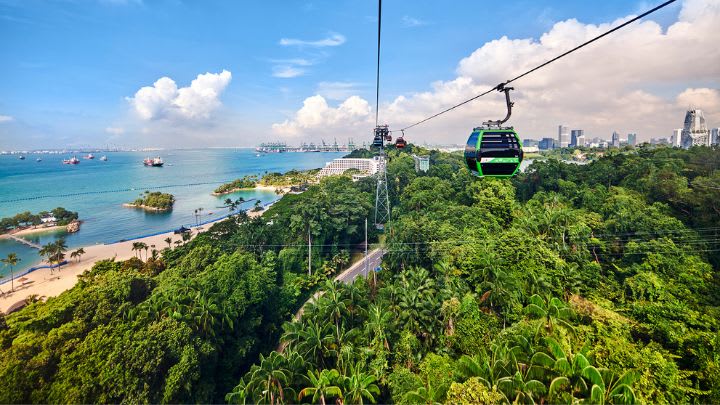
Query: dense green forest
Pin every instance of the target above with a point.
(569, 282)
(27, 218)
(155, 200)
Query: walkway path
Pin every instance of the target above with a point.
(24, 241)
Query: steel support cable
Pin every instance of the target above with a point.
(377, 77)
(502, 85)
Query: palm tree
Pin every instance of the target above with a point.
(11, 260)
(136, 247)
(58, 249)
(186, 236)
(267, 382)
(168, 240)
(359, 386)
(315, 339)
(321, 385)
(425, 395)
(77, 254)
(47, 252)
(553, 311)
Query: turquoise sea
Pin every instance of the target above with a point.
(97, 190)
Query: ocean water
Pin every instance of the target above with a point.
(97, 190)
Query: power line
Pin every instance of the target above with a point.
(502, 85)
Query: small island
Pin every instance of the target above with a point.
(155, 201)
(244, 183)
(27, 222)
(280, 182)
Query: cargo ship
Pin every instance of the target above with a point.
(153, 162)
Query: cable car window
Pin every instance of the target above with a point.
(471, 151)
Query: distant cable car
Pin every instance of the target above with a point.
(377, 141)
(400, 142)
(382, 134)
(494, 151)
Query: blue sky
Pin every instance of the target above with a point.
(71, 68)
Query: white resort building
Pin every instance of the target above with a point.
(367, 167)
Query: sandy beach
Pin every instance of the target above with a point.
(35, 229)
(44, 284)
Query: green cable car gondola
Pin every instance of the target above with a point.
(494, 151)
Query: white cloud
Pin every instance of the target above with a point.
(317, 117)
(702, 98)
(115, 130)
(287, 71)
(6, 118)
(332, 40)
(164, 100)
(297, 62)
(337, 90)
(410, 22)
(639, 79)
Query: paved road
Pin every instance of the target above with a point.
(362, 267)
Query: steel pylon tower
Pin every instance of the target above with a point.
(382, 199)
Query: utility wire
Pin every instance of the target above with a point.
(500, 86)
(377, 81)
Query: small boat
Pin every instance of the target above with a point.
(90, 156)
(72, 161)
(38, 160)
(258, 155)
(21, 157)
(153, 162)
(104, 158)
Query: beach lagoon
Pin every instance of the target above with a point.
(97, 189)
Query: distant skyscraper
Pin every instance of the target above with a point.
(563, 140)
(574, 134)
(715, 136)
(546, 143)
(676, 138)
(695, 131)
(580, 141)
(632, 139)
(615, 139)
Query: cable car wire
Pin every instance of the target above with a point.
(502, 85)
(377, 77)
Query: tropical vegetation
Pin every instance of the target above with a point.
(154, 200)
(245, 182)
(27, 219)
(570, 283)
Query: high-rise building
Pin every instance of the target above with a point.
(632, 139)
(695, 131)
(676, 138)
(422, 163)
(530, 143)
(546, 143)
(574, 134)
(580, 141)
(615, 139)
(563, 140)
(715, 136)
